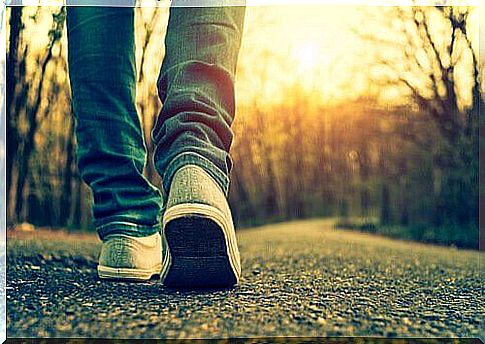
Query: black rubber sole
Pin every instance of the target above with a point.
(199, 257)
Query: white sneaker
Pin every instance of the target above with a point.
(198, 233)
(125, 257)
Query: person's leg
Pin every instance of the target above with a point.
(193, 136)
(196, 86)
(111, 148)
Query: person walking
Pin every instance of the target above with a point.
(192, 136)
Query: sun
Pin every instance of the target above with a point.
(306, 56)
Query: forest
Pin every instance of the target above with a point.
(394, 151)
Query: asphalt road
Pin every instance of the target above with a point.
(299, 279)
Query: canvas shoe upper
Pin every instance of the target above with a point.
(132, 258)
(199, 233)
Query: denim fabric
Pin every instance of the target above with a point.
(196, 86)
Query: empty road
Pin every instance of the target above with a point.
(300, 278)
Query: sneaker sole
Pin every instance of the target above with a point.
(201, 248)
(106, 272)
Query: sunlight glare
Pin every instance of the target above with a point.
(307, 56)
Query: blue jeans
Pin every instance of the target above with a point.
(195, 85)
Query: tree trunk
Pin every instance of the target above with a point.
(12, 79)
(66, 195)
(28, 144)
(385, 216)
(404, 186)
(385, 205)
(364, 171)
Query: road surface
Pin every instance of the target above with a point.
(300, 278)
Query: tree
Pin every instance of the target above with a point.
(432, 57)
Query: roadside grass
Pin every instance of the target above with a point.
(454, 236)
(450, 235)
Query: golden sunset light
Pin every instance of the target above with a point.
(307, 56)
(316, 46)
(316, 162)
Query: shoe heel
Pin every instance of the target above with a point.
(199, 255)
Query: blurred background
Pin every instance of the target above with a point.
(366, 114)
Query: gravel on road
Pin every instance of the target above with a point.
(301, 278)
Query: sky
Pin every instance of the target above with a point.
(310, 45)
(320, 48)
(313, 46)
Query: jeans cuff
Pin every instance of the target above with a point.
(192, 158)
(121, 226)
